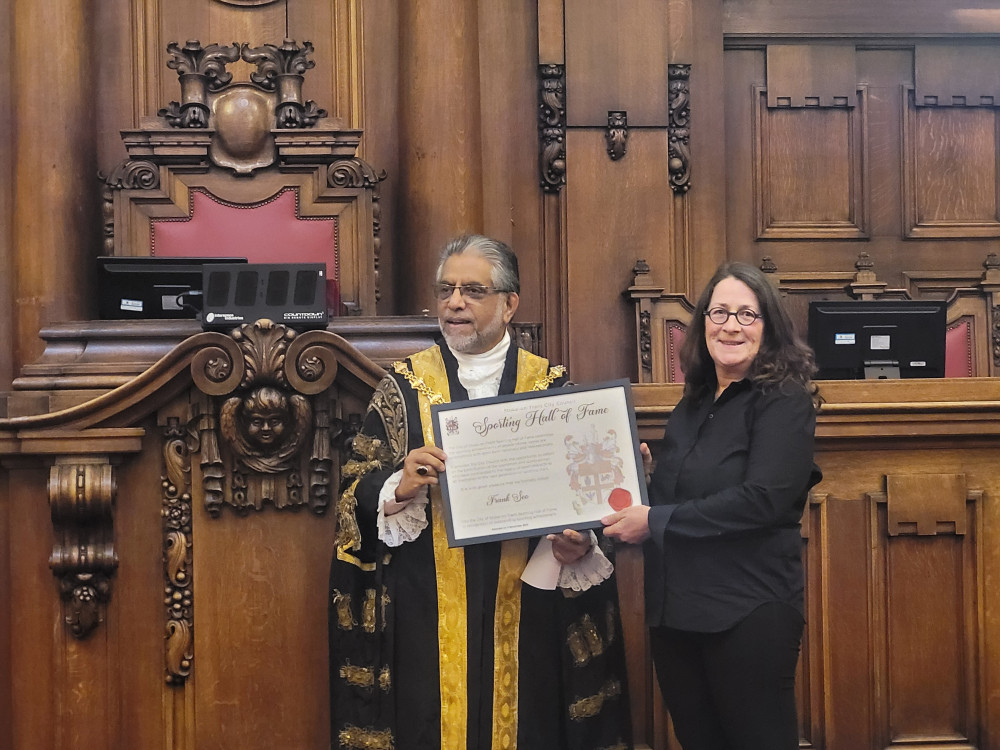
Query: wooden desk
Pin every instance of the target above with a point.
(210, 629)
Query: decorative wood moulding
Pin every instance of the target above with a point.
(177, 552)
(678, 129)
(951, 75)
(552, 126)
(267, 442)
(616, 134)
(81, 499)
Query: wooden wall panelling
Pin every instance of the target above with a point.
(615, 210)
(809, 166)
(927, 582)
(7, 172)
(795, 18)
(6, 617)
(37, 634)
(380, 64)
(951, 170)
(809, 678)
(509, 102)
(336, 30)
(616, 59)
(54, 206)
(119, 75)
(441, 175)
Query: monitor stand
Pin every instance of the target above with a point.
(881, 370)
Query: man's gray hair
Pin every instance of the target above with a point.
(504, 275)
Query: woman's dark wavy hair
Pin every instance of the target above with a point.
(782, 358)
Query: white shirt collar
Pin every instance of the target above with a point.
(481, 373)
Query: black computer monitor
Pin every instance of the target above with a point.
(134, 287)
(878, 339)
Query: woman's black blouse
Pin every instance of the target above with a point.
(727, 496)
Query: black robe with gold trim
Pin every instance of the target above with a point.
(432, 647)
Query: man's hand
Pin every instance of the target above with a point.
(420, 467)
(569, 546)
(630, 525)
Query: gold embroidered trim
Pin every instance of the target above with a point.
(449, 564)
(368, 611)
(384, 600)
(374, 455)
(356, 738)
(387, 402)
(506, 641)
(348, 534)
(418, 383)
(345, 556)
(594, 640)
(584, 641)
(342, 603)
(577, 647)
(589, 707)
(363, 677)
(385, 679)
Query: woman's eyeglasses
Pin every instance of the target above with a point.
(744, 316)
(472, 292)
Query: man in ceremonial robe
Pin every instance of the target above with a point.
(438, 647)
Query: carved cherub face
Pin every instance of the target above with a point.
(266, 415)
(266, 427)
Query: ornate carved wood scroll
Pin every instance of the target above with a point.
(617, 134)
(81, 501)
(678, 132)
(203, 70)
(179, 588)
(552, 126)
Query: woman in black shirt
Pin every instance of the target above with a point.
(722, 541)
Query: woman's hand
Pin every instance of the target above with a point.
(647, 461)
(569, 546)
(630, 525)
(420, 467)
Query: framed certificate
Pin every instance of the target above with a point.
(537, 463)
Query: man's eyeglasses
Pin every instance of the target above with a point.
(474, 292)
(744, 316)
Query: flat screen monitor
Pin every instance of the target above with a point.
(134, 287)
(878, 339)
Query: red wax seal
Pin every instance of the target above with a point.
(620, 499)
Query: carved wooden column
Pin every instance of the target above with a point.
(441, 173)
(55, 206)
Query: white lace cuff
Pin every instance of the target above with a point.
(406, 524)
(590, 570)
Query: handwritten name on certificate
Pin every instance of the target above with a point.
(537, 463)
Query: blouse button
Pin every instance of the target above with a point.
(711, 416)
